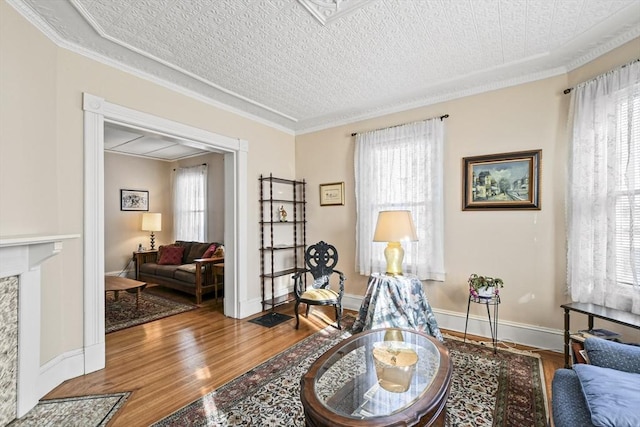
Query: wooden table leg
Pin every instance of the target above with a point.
(138, 293)
(115, 295)
(567, 322)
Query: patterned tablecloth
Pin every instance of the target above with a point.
(396, 302)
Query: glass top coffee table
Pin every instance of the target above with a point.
(380, 377)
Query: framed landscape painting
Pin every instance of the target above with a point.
(134, 200)
(502, 181)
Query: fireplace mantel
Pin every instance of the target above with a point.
(22, 256)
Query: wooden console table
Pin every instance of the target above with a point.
(593, 310)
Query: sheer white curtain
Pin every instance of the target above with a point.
(603, 220)
(402, 168)
(190, 204)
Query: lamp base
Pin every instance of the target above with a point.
(153, 241)
(394, 254)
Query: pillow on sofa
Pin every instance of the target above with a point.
(196, 251)
(161, 249)
(210, 251)
(613, 396)
(171, 255)
(219, 251)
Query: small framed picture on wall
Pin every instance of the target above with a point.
(332, 194)
(134, 200)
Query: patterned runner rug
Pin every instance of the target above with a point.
(506, 389)
(124, 314)
(82, 411)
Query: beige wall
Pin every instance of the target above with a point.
(122, 228)
(525, 248)
(41, 155)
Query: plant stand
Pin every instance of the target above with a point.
(493, 301)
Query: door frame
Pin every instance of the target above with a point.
(97, 111)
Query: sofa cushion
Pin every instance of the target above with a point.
(210, 250)
(186, 274)
(148, 268)
(166, 270)
(613, 396)
(187, 247)
(611, 354)
(569, 408)
(196, 250)
(171, 255)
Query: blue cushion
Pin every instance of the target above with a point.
(611, 354)
(569, 409)
(613, 396)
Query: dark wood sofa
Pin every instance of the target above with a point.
(192, 273)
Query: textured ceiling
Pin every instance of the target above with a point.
(283, 63)
(135, 142)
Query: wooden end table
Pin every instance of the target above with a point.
(116, 284)
(342, 387)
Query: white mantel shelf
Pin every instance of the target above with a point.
(23, 240)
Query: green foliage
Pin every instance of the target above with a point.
(477, 282)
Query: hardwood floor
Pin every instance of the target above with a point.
(168, 363)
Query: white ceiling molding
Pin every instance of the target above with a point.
(270, 61)
(326, 11)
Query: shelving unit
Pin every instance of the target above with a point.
(282, 243)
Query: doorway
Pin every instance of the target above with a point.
(97, 111)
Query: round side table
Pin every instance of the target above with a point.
(493, 326)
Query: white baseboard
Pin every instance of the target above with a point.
(530, 335)
(56, 371)
(508, 332)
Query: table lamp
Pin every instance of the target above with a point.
(152, 222)
(392, 227)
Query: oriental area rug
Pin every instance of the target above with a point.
(505, 389)
(82, 411)
(124, 313)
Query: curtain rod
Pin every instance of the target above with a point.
(569, 89)
(445, 116)
(204, 164)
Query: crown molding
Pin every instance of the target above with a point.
(34, 19)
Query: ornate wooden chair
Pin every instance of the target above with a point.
(320, 260)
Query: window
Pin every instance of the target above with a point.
(603, 224)
(627, 235)
(401, 168)
(190, 204)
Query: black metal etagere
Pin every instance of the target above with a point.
(268, 248)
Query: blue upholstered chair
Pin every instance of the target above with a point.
(320, 260)
(574, 402)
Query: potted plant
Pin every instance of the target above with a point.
(484, 286)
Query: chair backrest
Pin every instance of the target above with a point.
(321, 259)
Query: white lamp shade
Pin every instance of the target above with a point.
(395, 226)
(151, 221)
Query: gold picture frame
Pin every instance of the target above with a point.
(332, 194)
(502, 181)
